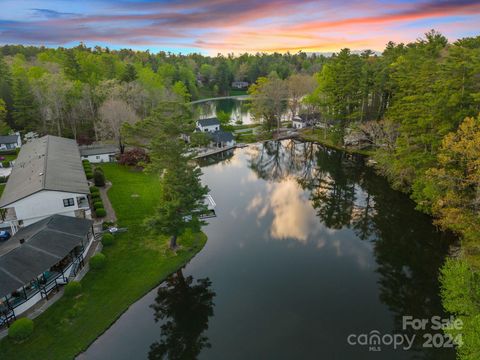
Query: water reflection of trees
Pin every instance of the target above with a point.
(347, 194)
(185, 308)
(224, 157)
(276, 160)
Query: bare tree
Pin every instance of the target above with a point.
(268, 98)
(114, 113)
(52, 94)
(298, 86)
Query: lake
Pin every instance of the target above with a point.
(309, 250)
(238, 107)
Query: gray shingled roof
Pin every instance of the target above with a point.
(87, 150)
(46, 242)
(8, 139)
(47, 163)
(221, 136)
(209, 122)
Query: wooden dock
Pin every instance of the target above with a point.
(218, 151)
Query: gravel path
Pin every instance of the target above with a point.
(111, 216)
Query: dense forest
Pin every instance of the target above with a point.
(418, 105)
(74, 92)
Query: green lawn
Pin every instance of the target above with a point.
(137, 262)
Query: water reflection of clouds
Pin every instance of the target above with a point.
(293, 217)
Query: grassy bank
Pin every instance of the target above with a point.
(136, 263)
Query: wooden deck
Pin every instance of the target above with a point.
(218, 150)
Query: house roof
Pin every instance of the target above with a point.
(208, 122)
(299, 119)
(222, 136)
(87, 150)
(8, 139)
(45, 243)
(48, 163)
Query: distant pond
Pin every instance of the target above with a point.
(237, 107)
(309, 248)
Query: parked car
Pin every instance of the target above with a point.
(4, 235)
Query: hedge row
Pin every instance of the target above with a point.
(88, 169)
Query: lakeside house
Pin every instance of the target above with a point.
(298, 122)
(240, 84)
(38, 259)
(99, 153)
(48, 178)
(218, 137)
(208, 125)
(222, 139)
(10, 142)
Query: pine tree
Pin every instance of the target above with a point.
(24, 112)
(130, 73)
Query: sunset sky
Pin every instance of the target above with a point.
(212, 26)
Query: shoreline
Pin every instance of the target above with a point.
(137, 263)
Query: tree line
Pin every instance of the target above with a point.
(75, 92)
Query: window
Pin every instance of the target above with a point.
(98, 157)
(68, 202)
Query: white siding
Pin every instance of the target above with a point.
(299, 124)
(99, 158)
(45, 203)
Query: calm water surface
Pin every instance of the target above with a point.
(309, 246)
(237, 108)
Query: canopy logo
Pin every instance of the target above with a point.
(374, 340)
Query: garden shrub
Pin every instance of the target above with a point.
(88, 174)
(73, 288)
(94, 190)
(107, 224)
(100, 212)
(21, 329)
(134, 157)
(6, 163)
(98, 261)
(98, 204)
(107, 239)
(99, 177)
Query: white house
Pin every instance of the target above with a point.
(208, 125)
(299, 123)
(10, 142)
(38, 259)
(48, 178)
(222, 139)
(99, 153)
(240, 84)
